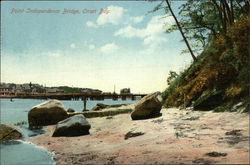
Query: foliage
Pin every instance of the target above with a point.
(233, 91)
(67, 89)
(172, 75)
(222, 108)
(222, 66)
(203, 21)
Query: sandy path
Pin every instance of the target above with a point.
(178, 136)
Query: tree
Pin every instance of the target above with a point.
(172, 76)
(180, 29)
(202, 21)
(30, 84)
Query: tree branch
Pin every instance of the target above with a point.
(180, 29)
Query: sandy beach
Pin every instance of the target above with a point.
(177, 137)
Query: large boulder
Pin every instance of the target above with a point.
(74, 126)
(148, 107)
(47, 113)
(8, 132)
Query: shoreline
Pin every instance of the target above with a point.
(178, 136)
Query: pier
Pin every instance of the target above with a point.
(78, 96)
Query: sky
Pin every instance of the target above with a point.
(75, 44)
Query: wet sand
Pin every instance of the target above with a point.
(178, 136)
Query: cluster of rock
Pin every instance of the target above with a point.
(52, 112)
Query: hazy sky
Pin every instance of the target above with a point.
(124, 46)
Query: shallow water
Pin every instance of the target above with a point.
(16, 111)
(24, 153)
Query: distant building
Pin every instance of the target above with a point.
(5, 90)
(91, 91)
(125, 91)
(86, 91)
(38, 90)
(106, 93)
(54, 90)
(96, 91)
(26, 86)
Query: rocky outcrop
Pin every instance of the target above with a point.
(99, 106)
(70, 110)
(96, 108)
(74, 126)
(102, 106)
(148, 107)
(47, 113)
(8, 132)
(208, 100)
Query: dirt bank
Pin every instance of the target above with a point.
(178, 136)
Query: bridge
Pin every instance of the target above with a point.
(79, 96)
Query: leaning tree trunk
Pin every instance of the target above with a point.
(180, 29)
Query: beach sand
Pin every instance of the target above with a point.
(178, 136)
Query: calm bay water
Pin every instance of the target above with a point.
(24, 153)
(16, 111)
(20, 152)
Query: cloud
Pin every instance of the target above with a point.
(73, 46)
(116, 15)
(91, 24)
(113, 17)
(130, 32)
(136, 19)
(152, 34)
(91, 46)
(52, 54)
(109, 48)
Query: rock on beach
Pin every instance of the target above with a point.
(148, 107)
(74, 126)
(47, 113)
(9, 132)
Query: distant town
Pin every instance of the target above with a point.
(11, 89)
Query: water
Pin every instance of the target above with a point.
(19, 152)
(16, 111)
(24, 153)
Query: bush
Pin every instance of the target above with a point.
(222, 66)
(223, 108)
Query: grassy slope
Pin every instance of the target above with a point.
(222, 67)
